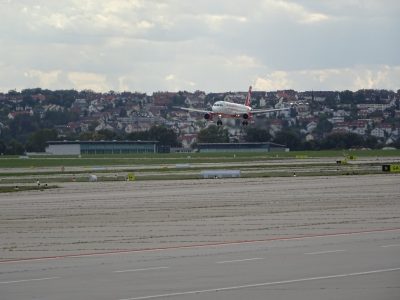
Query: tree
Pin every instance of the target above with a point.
(63, 98)
(359, 96)
(23, 125)
(310, 145)
(213, 134)
(140, 135)
(346, 97)
(12, 93)
(323, 126)
(28, 100)
(14, 148)
(178, 100)
(165, 136)
(105, 134)
(331, 102)
(254, 134)
(52, 118)
(86, 136)
(93, 125)
(3, 147)
(342, 141)
(37, 140)
(371, 142)
(123, 113)
(288, 137)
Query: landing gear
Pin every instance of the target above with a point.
(219, 122)
(245, 123)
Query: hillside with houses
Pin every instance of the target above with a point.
(314, 115)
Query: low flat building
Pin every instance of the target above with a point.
(101, 147)
(240, 147)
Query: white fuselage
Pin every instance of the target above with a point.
(230, 108)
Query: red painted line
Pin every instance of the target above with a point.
(215, 244)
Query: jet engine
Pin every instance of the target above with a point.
(207, 116)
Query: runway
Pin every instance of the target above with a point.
(347, 265)
(335, 237)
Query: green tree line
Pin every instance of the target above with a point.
(293, 140)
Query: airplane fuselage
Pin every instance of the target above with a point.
(230, 108)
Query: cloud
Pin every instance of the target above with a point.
(216, 22)
(359, 77)
(278, 80)
(89, 81)
(43, 79)
(289, 9)
(170, 77)
(174, 83)
(208, 45)
(378, 78)
(242, 61)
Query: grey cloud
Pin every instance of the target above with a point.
(136, 44)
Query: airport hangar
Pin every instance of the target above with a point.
(127, 147)
(102, 147)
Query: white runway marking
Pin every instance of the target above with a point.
(393, 245)
(28, 280)
(216, 244)
(324, 252)
(230, 288)
(238, 260)
(138, 270)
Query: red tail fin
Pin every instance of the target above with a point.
(248, 98)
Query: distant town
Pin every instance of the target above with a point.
(317, 119)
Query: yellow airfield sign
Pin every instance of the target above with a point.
(131, 177)
(391, 168)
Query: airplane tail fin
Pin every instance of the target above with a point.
(248, 98)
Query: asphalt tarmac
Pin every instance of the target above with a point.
(363, 265)
(279, 238)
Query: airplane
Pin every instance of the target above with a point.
(225, 109)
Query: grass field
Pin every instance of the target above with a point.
(178, 158)
(55, 169)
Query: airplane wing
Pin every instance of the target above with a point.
(194, 110)
(263, 111)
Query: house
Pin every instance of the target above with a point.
(359, 127)
(310, 137)
(13, 114)
(371, 107)
(163, 98)
(341, 113)
(276, 126)
(394, 137)
(311, 126)
(188, 140)
(342, 127)
(39, 97)
(156, 110)
(336, 120)
(104, 126)
(363, 113)
(382, 130)
(80, 103)
(53, 107)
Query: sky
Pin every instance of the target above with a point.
(208, 45)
